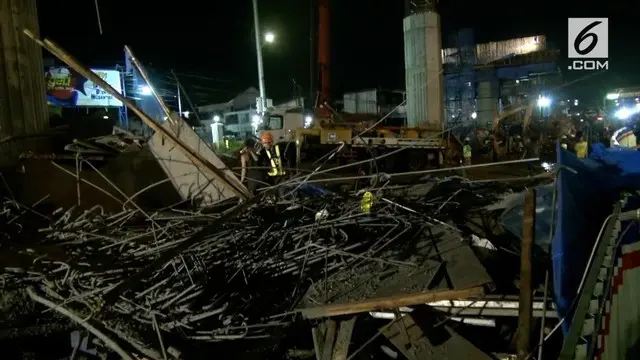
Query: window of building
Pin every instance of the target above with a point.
(231, 119)
(275, 122)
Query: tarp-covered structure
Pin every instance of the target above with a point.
(585, 192)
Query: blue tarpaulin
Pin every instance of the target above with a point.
(585, 196)
(586, 191)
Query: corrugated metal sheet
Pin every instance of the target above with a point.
(361, 102)
(495, 50)
(423, 70)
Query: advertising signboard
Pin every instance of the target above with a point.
(67, 88)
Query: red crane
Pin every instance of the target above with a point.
(323, 57)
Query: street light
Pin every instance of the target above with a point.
(262, 100)
(544, 101)
(145, 90)
(269, 37)
(627, 112)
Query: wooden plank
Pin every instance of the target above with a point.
(318, 341)
(390, 302)
(329, 340)
(433, 343)
(526, 292)
(341, 348)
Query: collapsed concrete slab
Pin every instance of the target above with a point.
(191, 181)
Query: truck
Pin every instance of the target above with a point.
(307, 139)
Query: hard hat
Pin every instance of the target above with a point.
(467, 139)
(267, 137)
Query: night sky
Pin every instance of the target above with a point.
(211, 42)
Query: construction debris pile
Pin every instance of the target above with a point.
(253, 272)
(119, 141)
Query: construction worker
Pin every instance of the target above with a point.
(466, 152)
(273, 158)
(625, 138)
(519, 146)
(251, 173)
(582, 148)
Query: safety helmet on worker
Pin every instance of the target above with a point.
(267, 138)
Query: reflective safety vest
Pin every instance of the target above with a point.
(276, 162)
(368, 200)
(627, 140)
(581, 149)
(466, 151)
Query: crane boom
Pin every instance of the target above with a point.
(324, 54)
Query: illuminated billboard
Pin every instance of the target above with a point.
(67, 88)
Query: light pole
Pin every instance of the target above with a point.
(262, 99)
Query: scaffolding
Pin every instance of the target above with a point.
(460, 88)
(418, 6)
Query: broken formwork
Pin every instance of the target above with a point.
(154, 279)
(156, 282)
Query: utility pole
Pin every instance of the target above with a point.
(312, 72)
(179, 98)
(23, 106)
(262, 100)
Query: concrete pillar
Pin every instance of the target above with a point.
(423, 70)
(23, 107)
(487, 102)
(217, 134)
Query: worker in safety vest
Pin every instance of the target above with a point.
(251, 173)
(582, 148)
(625, 138)
(466, 152)
(272, 157)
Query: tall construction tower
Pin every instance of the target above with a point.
(423, 65)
